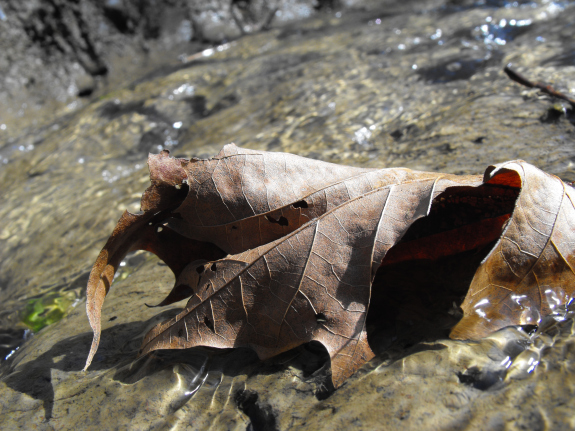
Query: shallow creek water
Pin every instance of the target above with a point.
(413, 84)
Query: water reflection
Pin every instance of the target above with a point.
(502, 32)
(479, 310)
(528, 310)
(550, 330)
(114, 174)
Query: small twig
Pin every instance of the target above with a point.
(547, 89)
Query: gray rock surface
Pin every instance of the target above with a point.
(418, 85)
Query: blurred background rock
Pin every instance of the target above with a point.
(57, 50)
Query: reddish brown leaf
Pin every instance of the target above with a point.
(307, 237)
(237, 200)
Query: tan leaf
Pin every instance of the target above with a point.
(530, 272)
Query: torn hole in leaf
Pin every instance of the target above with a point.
(282, 221)
(214, 267)
(320, 318)
(300, 204)
(209, 323)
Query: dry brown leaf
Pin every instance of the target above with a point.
(237, 200)
(313, 284)
(307, 238)
(530, 272)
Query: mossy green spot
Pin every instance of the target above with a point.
(41, 312)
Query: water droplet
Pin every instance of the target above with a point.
(529, 313)
(484, 301)
(506, 362)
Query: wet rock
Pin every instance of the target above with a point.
(345, 88)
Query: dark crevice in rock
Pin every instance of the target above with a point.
(113, 110)
(57, 28)
(556, 114)
(198, 104)
(262, 416)
(457, 68)
(481, 379)
(118, 17)
(327, 4)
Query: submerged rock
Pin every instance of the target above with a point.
(386, 87)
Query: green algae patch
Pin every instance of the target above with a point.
(46, 310)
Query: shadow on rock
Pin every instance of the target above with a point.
(119, 346)
(409, 309)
